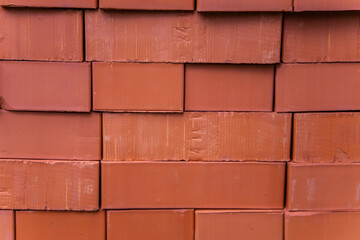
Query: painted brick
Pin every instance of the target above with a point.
(56, 35)
(150, 224)
(50, 3)
(326, 5)
(192, 185)
(182, 37)
(212, 87)
(45, 86)
(60, 225)
(138, 87)
(148, 4)
(317, 87)
(7, 225)
(322, 225)
(197, 136)
(323, 186)
(321, 37)
(49, 185)
(234, 224)
(243, 5)
(326, 137)
(50, 135)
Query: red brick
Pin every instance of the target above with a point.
(150, 224)
(50, 135)
(156, 87)
(326, 5)
(192, 185)
(45, 86)
(317, 87)
(49, 185)
(7, 225)
(322, 225)
(148, 4)
(243, 5)
(50, 3)
(60, 225)
(323, 186)
(183, 37)
(326, 137)
(41, 34)
(321, 37)
(212, 87)
(234, 224)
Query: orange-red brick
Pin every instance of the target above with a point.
(317, 87)
(243, 5)
(211, 87)
(197, 136)
(235, 224)
(41, 34)
(126, 87)
(60, 225)
(50, 3)
(182, 37)
(326, 137)
(7, 225)
(321, 37)
(50, 135)
(323, 186)
(49, 185)
(148, 4)
(150, 224)
(326, 5)
(192, 185)
(45, 86)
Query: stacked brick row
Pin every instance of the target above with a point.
(187, 120)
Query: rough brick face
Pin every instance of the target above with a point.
(326, 5)
(44, 86)
(56, 35)
(49, 185)
(182, 37)
(211, 87)
(234, 224)
(7, 225)
(326, 137)
(243, 5)
(322, 225)
(148, 4)
(140, 87)
(150, 224)
(60, 225)
(50, 3)
(321, 37)
(50, 135)
(317, 87)
(192, 185)
(323, 186)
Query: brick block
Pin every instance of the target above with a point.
(45, 86)
(41, 34)
(321, 37)
(50, 3)
(49, 185)
(243, 5)
(317, 87)
(323, 186)
(60, 225)
(235, 224)
(212, 87)
(150, 224)
(322, 225)
(7, 225)
(326, 137)
(182, 37)
(148, 4)
(50, 135)
(197, 136)
(192, 185)
(326, 5)
(154, 87)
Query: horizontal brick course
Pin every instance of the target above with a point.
(50, 3)
(243, 5)
(148, 4)
(326, 5)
